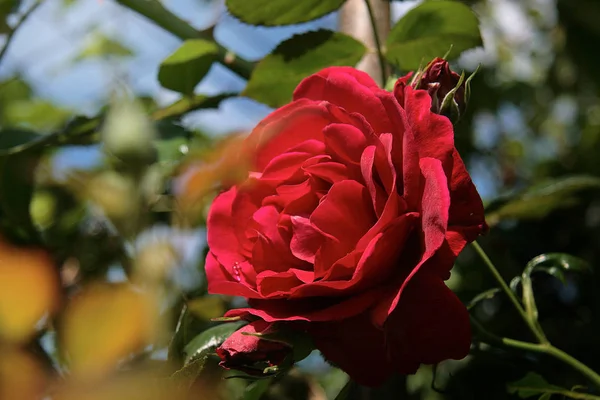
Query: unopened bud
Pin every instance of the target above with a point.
(448, 90)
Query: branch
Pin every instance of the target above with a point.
(368, 21)
(13, 31)
(164, 18)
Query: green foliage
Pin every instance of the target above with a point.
(186, 67)
(345, 391)
(17, 179)
(190, 103)
(429, 30)
(100, 46)
(281, 12)
(534, 384)
(208, 341)
(275, 77)
(541, 199)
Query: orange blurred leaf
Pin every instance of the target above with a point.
(224, 165)
(28, 290)
(21, 376)
(140, 384)
(104, 324)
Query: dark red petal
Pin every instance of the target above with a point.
(427, 135)
(241, 351)
(285, 128)
(466, 207)
(284, 167)
(309, 308)
(345, 143)
(356, 346)
(311, 84)
(346, 91)
(399, 86)
(279, 284)
(329, 171)
(429, 325)
(221, 234)
(306, 240)
(345, 214)
(435, 203)
(222, 280)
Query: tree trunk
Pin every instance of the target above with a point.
(354, 20)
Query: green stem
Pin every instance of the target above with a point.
(532, 326)
(11, 33)
(544, 348)
(154, 11)
(377, 42)
(547, 348)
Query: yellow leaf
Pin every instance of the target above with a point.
(207, 307)
(104, 324)
(139, 384)
(28, 290)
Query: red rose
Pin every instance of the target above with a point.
(249, 353)
(350, 221)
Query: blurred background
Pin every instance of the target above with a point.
(533, 122)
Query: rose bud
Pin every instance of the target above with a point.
(246, 351)
(448, 90)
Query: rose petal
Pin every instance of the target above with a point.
(435, 204)
(242, 351)
(285, 128)
(345, 214)
(346, 90)
(356, 346)
(221, 235)
(345, 143)
(429, 325)
(222, 280)
(306, 240)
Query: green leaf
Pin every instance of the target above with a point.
(533, 385)
(17, 181)
(541, 199)
(273, 80)
(103, 46)
(4, 28)
(556, 264)
(191, 103)
(208, 341)
(429, 30)
(551, 263)
(8, 7)
(200, 350)
(281, 12)
(37, 114)
(186, 67)
(345, 392)
(256, 389)
(530, 385)
(13, 137)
